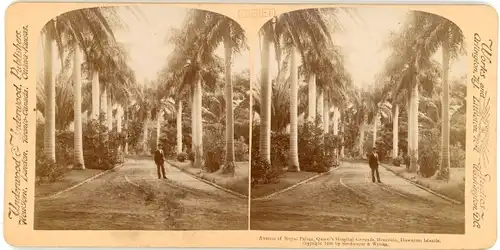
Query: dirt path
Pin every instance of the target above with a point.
(347, 201)
(133, 198)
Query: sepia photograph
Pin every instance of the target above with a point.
(359, 122)
(142, 120)
(243, 125)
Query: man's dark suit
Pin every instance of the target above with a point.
(373, 162)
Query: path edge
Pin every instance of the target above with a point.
(294, 185)
(81, 183)
(442, 196)
(239, 195)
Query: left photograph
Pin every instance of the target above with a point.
(142, 120)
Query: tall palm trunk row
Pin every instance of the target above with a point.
(294, 143)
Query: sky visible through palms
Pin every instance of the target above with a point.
(146, 41)
(363, 44)
(362, 41)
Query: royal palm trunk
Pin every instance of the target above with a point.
(265, 97)
(414, 128)
(229, 165)
(375, 127)
(444, 172)
(409, 125)
(77, 84)
(342, 141)
(179, 126)
(126, 120)
(49, 140)
(145, 135)
(159, 117)
(198, 147)
(335, 121)
(311, 89)
(193, 120)
(320, 109)
(294, 143)
(109, 113)
(326, 116)
(395, 131)
(95, 94)
(362, 136)
(119, 117)
(104, 102)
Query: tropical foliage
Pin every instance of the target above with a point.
(326, 117)
(95, 111)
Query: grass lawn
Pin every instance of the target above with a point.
(286, 180)
(454, 188)
(70, 179)
(238, 183)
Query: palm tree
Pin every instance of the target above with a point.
(301, 29)
(412, 74)
(179, 126)
(50, 98)
(294, 132)
(266, 35)
(441, 32)
(65, 29)
(77, 83)
(64, 94)
(234, 40)
(200, 67)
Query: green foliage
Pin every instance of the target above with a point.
(263, 172)
(214, 147)
(100, 146)
(191, 155)
(47, 170)
(241, 149)
(351, 135)
(168, 135)
(280, 147)
(429, 150)
(182, 156)
(134, 134)
(312, 154)
(332, 143)
(397, 161)
(279, 150)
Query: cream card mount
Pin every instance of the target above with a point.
(348, 126)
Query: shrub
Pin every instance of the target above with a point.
(214, 148)
(241, 150)
(101, 147)
(332, 143)
(168, 135)
(182, 156)
(312, 156)
(262, 172)
(280, 147)
(47, 170)
(191, 156)
(429, 153)
(64, 144)
(397, 161)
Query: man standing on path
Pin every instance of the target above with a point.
(373, 162)
(159, 158)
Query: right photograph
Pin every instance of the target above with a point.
(359, 122)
